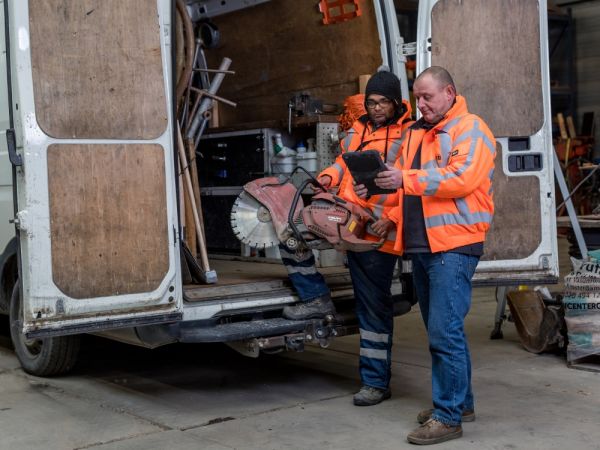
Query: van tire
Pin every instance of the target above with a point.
(41, 357)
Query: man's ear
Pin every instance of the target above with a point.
(450, 92)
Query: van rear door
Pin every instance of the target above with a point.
(497, 52)
(97, 212)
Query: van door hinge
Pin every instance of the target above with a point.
(408, 49)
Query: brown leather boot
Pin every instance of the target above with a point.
(468, 415)
(433, 432)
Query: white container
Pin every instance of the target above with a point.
(307, 160)
(283, 165)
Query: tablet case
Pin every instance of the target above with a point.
(364, 167)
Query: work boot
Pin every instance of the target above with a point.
(369, 396)
(433, 432)
(317, 308)
(468, 415)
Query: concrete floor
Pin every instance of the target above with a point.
(210, 398)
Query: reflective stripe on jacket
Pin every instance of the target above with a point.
(455, 179)
(362, 137)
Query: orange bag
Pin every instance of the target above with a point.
(354, 107)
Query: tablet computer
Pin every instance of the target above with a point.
(364, 167)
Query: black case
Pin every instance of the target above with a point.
(364, 167)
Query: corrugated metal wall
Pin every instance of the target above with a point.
(587, 61)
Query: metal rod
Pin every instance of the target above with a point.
(230, 72)
(560, 178)
(577, 187)
(215, 97)
(207, 101)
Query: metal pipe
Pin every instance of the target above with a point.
(229, 72)
(207, 102)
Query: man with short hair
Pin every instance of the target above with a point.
(444, 176)
(382, 129)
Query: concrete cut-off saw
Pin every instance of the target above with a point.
(270, 211)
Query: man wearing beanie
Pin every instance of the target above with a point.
(382, 129)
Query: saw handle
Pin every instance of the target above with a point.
(294, 204)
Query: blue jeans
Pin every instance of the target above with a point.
(372, 273)
(443, 285)
(302, 271)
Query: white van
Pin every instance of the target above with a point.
(88, 163)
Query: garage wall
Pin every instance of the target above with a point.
(587, 60)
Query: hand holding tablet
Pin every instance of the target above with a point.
(364, 167)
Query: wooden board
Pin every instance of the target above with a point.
(492, 49)
(516, 230)
(108, 218)
(282, 47)
(97, 68)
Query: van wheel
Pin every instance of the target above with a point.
(40, 357)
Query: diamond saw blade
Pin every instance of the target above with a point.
(252, 223)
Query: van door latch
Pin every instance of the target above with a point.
(11, 142)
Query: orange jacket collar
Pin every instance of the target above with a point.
(458, 109)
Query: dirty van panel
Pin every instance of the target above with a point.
(515, 234)
(499, 62)
(506, 90)
(115, 240)
(121, 88)
(281, 47)
(96, 192)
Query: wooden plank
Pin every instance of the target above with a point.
(108, 218)
(362, 83)
(561, 126)
(571, 127)
(280, 48)
(492, 49)
(97, 68)
(516, 229)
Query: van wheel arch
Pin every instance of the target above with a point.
(40, 357)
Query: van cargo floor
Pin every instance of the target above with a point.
(250, 277)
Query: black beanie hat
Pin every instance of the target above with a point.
(384, 83)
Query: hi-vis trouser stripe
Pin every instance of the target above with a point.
(434, 178)
(373, 353)
(301, 263)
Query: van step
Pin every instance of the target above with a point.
(192, 332)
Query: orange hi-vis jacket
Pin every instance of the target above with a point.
(455, 179)
(387, 140)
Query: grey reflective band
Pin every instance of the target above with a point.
(445, 148)
(301, 270)
(434, 178)
(451, 124)
(430, 165)
(374, 337)
(374, 354)
(299, 257)
(378, 211)
(458, 219)
(393, 151)
(348, 139)
(339, 169)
